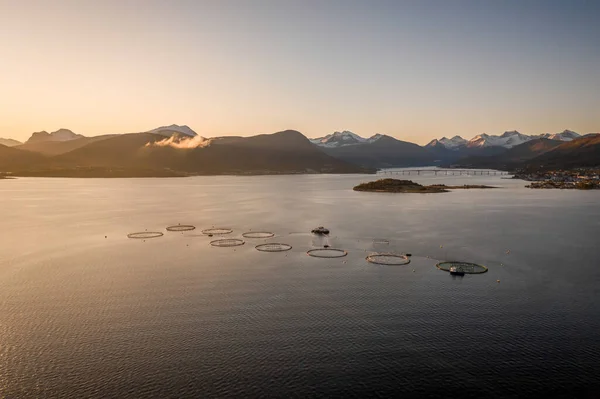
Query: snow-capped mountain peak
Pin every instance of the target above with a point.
(348, 136)
(511, 133)
(481, 136)
(172, 129)
(507, 139)
(451, 144)
(374, 138)
(566, 135)
(434, 143)
(345, 138)
(338, 139)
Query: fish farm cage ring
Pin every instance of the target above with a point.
(327, 253)
(145, 234)
(273, 247)
(217, 231)
(258, 234)
(181, 227)
(228, 242)
(388, 259)
(465, 267)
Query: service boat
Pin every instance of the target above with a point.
(455, 271)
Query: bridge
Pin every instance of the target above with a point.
(445, 172)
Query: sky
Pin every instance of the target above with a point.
(415, 70)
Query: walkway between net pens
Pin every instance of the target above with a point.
(445, 172)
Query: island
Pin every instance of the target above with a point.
(408, 186)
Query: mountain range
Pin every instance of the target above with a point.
(382, 151)
(507, 140)
(377, 151)
(340, 139)
(513, 157)
(581, 152)
(168, 151)
(176, 150)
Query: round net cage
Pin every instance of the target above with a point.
(327, 253)
(462, 267)
(273, 247)
(217, 231)
(145, 234)
(181, 227)
(388, 259)
(233, 242)
(258, 234)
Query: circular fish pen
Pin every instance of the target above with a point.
(217, 231)
(258, 234)
(145, 234)
(462, 267)
(181, 227)
(388, 259)
(327, 253)
(228, 242)
(273, 247)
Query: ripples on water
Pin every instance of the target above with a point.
(82, 315)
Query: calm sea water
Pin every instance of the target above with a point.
(87, 312)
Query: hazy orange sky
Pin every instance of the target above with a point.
(411, 69)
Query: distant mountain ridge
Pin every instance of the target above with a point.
(507, 140)
(178, 150)
(566, 135)
(140, 154)
(541, 153)
(340, 139)
(580, 152)
(59, 135)
(452, 143)
(50, 147)
(9, 142)
(378, 151)
(512, 157)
